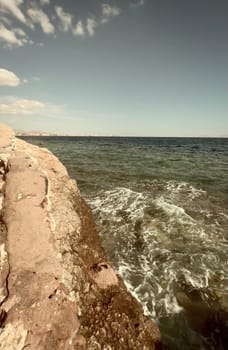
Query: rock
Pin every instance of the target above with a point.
(6, 137)
(207, 314)
(57, 288)
(3, 316)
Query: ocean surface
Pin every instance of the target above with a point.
(161, 207)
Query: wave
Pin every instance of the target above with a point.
(159, 243)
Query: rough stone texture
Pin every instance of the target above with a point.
(206, 311)
(57, 289)
(7, 136)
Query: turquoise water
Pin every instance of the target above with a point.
(161, 206)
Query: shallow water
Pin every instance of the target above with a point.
(161, 206)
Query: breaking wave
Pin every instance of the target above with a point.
(161, 239)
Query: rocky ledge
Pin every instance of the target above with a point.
(57, 288)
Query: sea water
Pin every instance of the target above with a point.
(161, 207)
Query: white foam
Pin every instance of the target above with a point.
(171, 304)
(170, 209)
(197, 281)
(189, 190)
(170, 243)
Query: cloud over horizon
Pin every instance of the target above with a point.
(20, 107)
(21, 23)
(8, 78)
(16, 106)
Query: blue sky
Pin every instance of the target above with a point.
(132, 67)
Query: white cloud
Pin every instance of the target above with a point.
(20, 107)
(91, 25)
(19, 32)
(5, 20)
(44, 2)
(8, 78)
(137, 4)
(108, 12)
(65, 18)
(79, 29)
(14, 37)
(13, 7)
(16, 106)
(35, 15)
(38, 16)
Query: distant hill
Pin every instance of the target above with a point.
(33, 133)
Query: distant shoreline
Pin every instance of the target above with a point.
(117, 137)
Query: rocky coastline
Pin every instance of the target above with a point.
(57, 288)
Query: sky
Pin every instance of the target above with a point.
(115, 67)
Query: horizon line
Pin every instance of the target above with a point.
(118, 136)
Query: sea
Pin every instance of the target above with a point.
(161, 208)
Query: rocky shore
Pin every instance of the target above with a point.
(57, 288)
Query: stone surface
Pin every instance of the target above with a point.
(206, 311)
(57, 289)
(6, 136)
